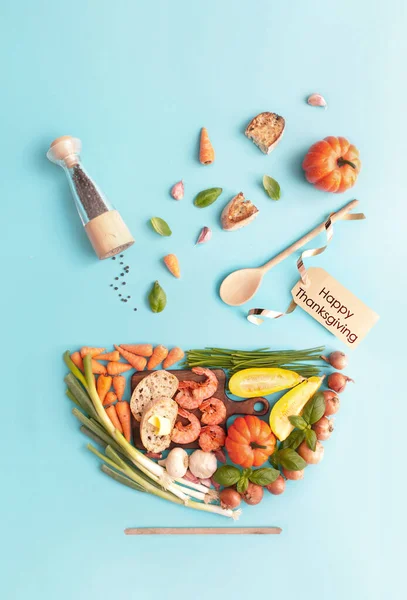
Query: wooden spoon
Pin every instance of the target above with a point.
(240, 286)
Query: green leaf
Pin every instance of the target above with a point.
(160, 226)
(289, 459)
(227, 475)
(295, 438)
(157, 298)
(207, 197)
(298, 422)
(314, 409)
(273, 459)
(272, 187)
(242, 484)
(311, 439)
(264, 476)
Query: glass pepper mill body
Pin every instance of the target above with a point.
(104, 226)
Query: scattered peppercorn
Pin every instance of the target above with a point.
(135, 309)
(124, 283)
(116, 288)
(121, 274)
(117, 279)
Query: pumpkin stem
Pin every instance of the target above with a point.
(342, 161)
(254, 445)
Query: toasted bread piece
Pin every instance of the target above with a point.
(238, 213)
(155, 385)
(164, 407)
(266, 130)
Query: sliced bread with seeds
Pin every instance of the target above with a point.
(238, 213)
(157, 384)
(266, 130)
(163, 410)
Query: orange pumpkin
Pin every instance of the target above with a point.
(332, 164)
(250, 442)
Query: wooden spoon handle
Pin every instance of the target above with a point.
(309, 236)
(201, 530)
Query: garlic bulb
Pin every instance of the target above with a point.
(176, 463)
(202, 464)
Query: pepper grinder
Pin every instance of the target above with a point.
(104, 226)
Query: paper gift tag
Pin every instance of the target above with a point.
(335, 307)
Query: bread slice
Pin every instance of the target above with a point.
(238, 213)
(266, 130)
(163, 407)
(155, 385)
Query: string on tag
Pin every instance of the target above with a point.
(257, 315)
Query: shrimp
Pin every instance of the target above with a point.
(185, 434)
(184, 398)
(213, 411)
(212, 437)
(207, 388)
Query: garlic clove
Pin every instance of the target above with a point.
(317, 100)
(177, 190)
(204, 236)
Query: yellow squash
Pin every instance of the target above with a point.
(292, 403)
(250, 383)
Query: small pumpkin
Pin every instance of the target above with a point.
(332, 164)
(250, 441)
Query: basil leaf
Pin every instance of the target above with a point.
(242, 484)
(298, 422)
(264, 476)
(295, 438)
(289, 459)
(227, 475)
(314, 409)
(157, 298)
(273, 459)
(311, 439)
(272, 187)
(160, 226)
(207, 197)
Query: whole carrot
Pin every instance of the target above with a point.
(97, 368)
(112, 414)
(115, 368)
(109, 399)
(119, 385)
(124, 414)
(160, 353)
(139, 349)
(108, 356)
(138, 362)
(206, 151)
(173, 357)
(172, 264)
(77, 360)
(103, 385)
(92, 351)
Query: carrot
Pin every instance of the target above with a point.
(115, 368)
(139, 349)
(173, 357)
(112, 414)
(92, 351)
(160, 353)
(103, 385)
(110, 399)
(138, 362)
(77, 360)
(97, 368)
(119, 385)
(124, 414)
(206, 151)
(108, 356)
(172, 264)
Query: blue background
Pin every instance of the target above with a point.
(136, 81)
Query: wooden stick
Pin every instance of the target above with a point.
(309, 236)
(202, 530)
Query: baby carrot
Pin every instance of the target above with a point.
(139, 349)
(160, 353)
(115, 368)
(77, 360)
(92, 351)
(138, 362)
(172, 264)
(110, 399)
(124, 414)
(119, 385)
(173, 357)
(112, 414)
(206, 151)
(108, 356)
(103, 386)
